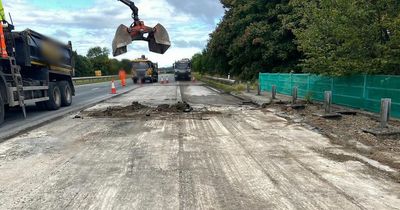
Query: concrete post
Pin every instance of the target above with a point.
(294, 95)
(258, 89)
(386, 104)
(273, 92)
(328, 102)
(229, 76)
(248, 87)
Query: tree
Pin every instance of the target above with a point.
(99, 58)
(344, 37)
(251, 38)
(96, 52)
(83, 66)
(330, 37)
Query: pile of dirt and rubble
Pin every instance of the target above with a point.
(348, 131)
(136, 110)
(174, 108)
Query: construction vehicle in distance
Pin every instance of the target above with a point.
(157, 37)
(183, 69)
(143, 70)
(33, 69)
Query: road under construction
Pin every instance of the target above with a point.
(166, 144)
(183, 145)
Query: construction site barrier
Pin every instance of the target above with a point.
(361, 91)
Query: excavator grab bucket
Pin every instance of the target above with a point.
(159, 41)
(121, 40)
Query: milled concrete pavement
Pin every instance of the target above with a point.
(240, 157)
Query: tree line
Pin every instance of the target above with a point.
(327, 37)
(97, 59)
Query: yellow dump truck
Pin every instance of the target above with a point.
(143, 70)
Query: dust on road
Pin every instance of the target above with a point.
(243, 158)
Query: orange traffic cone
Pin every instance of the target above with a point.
(113, 88)
(194, 79)
(162, 80)
(167, 80)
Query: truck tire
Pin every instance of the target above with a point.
(135, 80)
(66, 93)
(54, 102)
(2, 110)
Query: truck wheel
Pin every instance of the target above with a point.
(2, 110)
(66, 93)
(135, 81)
(54, 101)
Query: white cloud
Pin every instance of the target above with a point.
(96, 26)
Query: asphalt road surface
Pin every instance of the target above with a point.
(223, 155)
(85, 94)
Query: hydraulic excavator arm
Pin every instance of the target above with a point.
(135, 10)
(157, 37)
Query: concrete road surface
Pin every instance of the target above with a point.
(85, 95)
(222, 156)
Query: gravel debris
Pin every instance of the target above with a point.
(347, 132)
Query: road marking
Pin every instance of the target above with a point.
(95, 89)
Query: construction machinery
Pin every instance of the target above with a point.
(143, 70)
(33, 69)
(183, 69)
(157, 37)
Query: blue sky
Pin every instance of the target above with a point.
(62, 4)
(89, 23)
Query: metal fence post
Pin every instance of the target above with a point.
(258, 89)
(364, 96)
(386, 104)
(248, 87)
(273, 92)
(291, 81)
(294, 95)
(328, 101)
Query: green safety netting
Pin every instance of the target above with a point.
(362, 91)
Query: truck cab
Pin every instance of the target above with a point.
(183, 70)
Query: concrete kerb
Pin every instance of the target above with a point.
(213, 89)
(37, 124)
